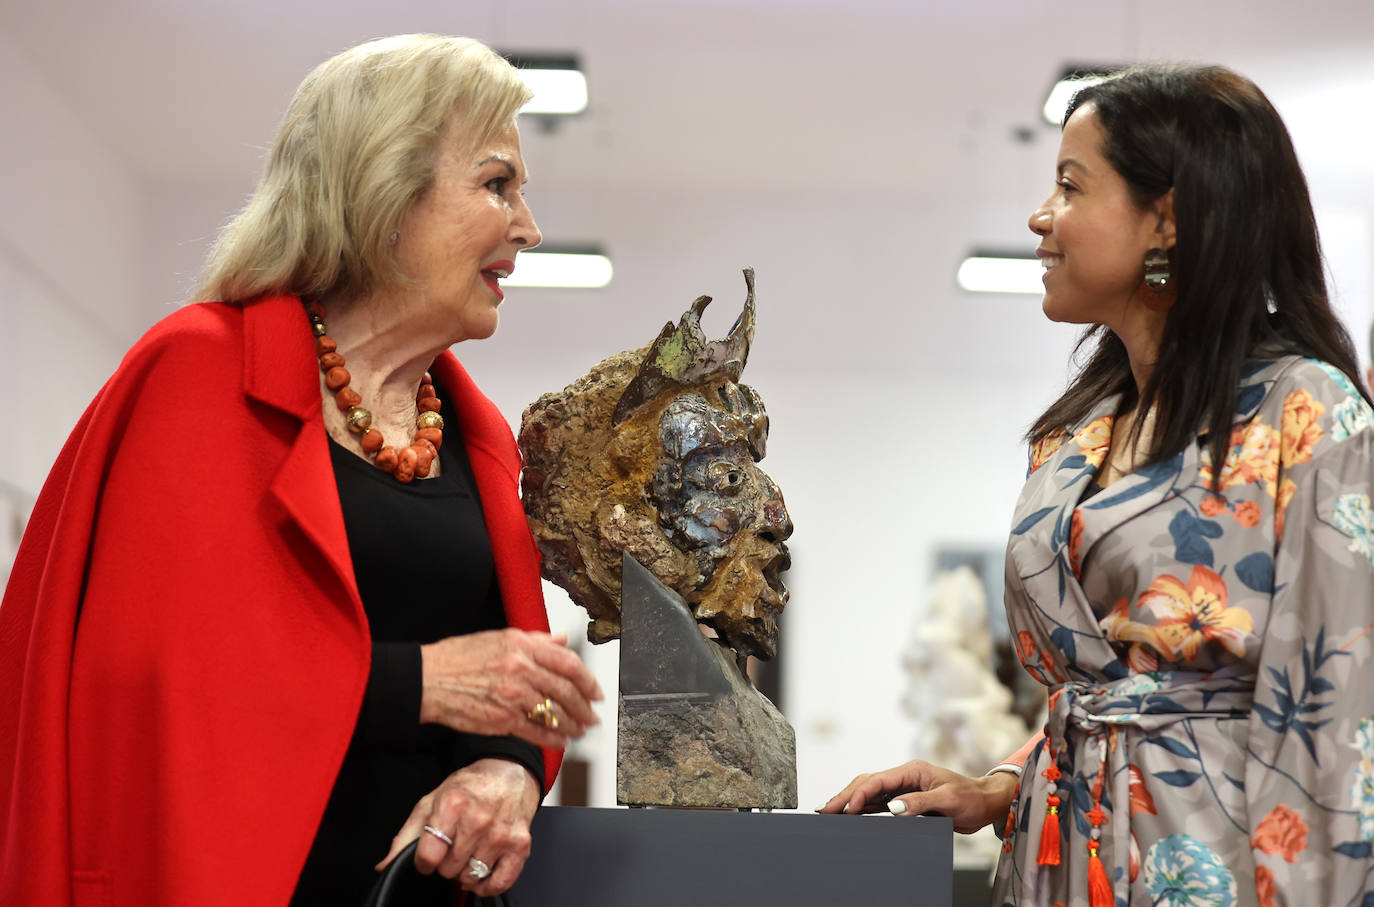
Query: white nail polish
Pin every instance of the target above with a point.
(896, 807)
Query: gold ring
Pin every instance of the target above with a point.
(543, 713)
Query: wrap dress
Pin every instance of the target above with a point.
(1210, 738)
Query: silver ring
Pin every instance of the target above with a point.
(478, 870)
(439, 834)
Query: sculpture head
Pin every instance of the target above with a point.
(655, 452)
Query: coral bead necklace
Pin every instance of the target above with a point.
(404, 464)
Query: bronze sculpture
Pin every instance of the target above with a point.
(642, 486)
(655, 452)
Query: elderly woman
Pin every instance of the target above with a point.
(1191, 568)
(278, 611)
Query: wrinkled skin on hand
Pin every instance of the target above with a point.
(655, 452)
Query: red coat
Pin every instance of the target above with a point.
(177, 745)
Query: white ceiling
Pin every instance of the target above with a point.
(772, 92)
(850, 150)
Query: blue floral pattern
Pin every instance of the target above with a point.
(1351, 417)
(1355, 520)
(1362, 792)
(1209, 658)
(1181, 871)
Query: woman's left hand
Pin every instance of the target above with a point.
(486, 808)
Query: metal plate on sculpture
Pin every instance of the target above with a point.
(692, 730)
(661, 660)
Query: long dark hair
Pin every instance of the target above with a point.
(1247, 263)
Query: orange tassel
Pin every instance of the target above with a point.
(1049, 834)
(1099, 889)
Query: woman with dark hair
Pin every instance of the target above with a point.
(1203, 629)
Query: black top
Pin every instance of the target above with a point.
(424, 569)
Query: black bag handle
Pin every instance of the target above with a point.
(390, 880)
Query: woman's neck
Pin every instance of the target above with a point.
(1140, 331)
(388, 345)
(1141, 337)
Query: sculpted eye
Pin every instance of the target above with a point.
(726, 478)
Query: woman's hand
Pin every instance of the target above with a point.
(920, 787)
(486, 809)
(487, 683)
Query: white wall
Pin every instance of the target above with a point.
(890, 433)
(896, 401)
(70, 224)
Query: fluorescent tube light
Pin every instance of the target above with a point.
(1072, 80)
(561, 268)
(991, 272)
(558, 83)
(556, 91)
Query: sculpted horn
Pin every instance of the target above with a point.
(681, 356)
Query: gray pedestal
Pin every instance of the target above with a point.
(684, 858)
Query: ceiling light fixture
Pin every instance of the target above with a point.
(585, 267)
(1070, 82)
(559, 86)
(1001, 272)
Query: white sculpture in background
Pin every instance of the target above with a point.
(963, 714)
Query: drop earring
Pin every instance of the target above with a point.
(394, 236)
(1157, 273)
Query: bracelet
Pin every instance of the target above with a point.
(1011, 768)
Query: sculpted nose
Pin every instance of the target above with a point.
(778, 524)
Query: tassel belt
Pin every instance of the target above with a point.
(1090, 713)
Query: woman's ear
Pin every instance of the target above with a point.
(1166, 232)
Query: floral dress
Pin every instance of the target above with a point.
(1211, 729)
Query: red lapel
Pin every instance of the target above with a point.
(279, 370)
(496, 465)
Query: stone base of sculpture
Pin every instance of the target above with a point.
(693, 731)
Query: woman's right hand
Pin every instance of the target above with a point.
(921, 787)
(487, 683)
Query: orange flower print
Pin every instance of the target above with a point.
(1254, 457)
(1248, 513)
(1194, 613)
(1037, 662)
(1281, 832)
(1212, 505)
(1095, 440)
(1300, 429)
(1265, 888)
(1141, 801)
(1281, 500)
(1045, 448)
(1143, 654)
(1075, 543)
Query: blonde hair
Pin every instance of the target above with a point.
(356, 148)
